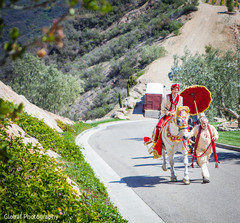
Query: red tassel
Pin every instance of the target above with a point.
(216, 164)
(146, 139)
(192, 165)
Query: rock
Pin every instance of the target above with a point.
(228, 126)
(122, 110)
(130, 103)
(140, 89)
(135, 94)
(216, 119)
(119, 115)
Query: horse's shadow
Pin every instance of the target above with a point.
(142, 181)
(151, 181)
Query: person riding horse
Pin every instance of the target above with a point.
(169, 106)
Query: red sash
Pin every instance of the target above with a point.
(214, 148)
(175, 102)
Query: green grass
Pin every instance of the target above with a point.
(71, 131)
(229, 138)
(95, 124)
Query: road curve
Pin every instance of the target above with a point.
(129, 204)
(119, 158)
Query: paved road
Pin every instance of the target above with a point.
(121, 147)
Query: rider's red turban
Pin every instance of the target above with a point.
(175, 86)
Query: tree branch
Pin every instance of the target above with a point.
(229, 110)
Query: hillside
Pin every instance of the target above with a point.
(210, 25)
(106, 53)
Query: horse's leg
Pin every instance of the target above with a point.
(171, 162)
(164, 165)
(186, 175)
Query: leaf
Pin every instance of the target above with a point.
(72, 11)
(14, 33)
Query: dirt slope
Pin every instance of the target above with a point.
(209, 25)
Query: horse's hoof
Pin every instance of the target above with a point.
(205, 180)
(186, 182)
(173, 179)
(164, 168)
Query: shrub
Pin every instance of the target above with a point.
(132, 80)
(44, 86)
(175, 27)
(120, 100)
(150, 53)
(230, 5)
(34, 184)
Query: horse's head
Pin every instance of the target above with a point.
(182, 116)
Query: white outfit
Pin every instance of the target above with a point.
(203, 143)
(166, 105)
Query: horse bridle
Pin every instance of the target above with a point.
(184, 124)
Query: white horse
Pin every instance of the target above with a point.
(173, 133)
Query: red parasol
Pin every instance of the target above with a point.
(197, 98)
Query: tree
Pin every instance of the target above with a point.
(120, 100)
(219, 72)
(45, 86)
(53, 35)
(230, 5)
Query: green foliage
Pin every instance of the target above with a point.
(98, 112)
(44, 86)
(120, 100)
(140, 73)
(236, 3)
(213, 2)
(151, 53)
(228, 138)
(95, 124)
(96, 5)
(132, 81)
(209, 48)
(230, 5)
(65, 127)
(175, 27)
(48, 137)
(8, 111)
(216, 70)
(99, 48)
(32, 184)
(92, 77)
(128, 93)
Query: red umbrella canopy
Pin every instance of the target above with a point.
(197, 98)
